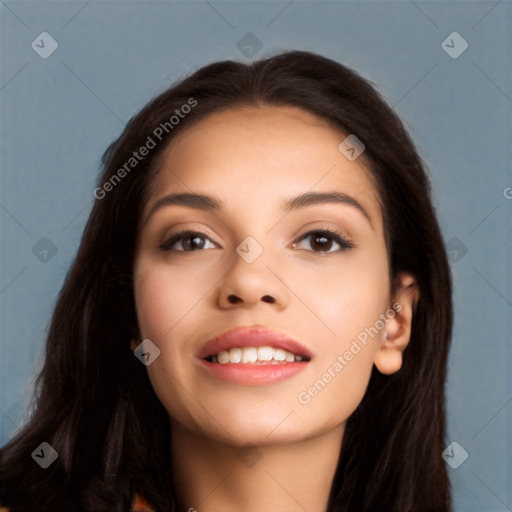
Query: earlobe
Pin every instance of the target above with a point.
(397, 332)
(388, 361)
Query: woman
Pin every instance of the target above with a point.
(259, 313)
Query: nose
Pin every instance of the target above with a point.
(250, 284)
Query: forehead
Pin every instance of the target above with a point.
(257, 153)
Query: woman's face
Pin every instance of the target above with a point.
(330, 295)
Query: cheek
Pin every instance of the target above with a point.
(154, 308)
(347, 296)
(162, 316)
(163, 297)
(349, 302)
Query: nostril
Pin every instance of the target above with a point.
(233, 299)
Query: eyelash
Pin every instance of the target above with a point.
(344, 243)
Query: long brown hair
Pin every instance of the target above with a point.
(94, 403)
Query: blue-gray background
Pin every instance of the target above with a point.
(58, 115)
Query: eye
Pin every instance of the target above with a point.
(190, 241)
(323, 240)
(193, 241)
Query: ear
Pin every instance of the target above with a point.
(134, 344)
(397, 332)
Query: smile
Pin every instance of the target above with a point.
(255, 355)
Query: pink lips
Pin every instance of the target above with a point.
(252, 337)
(247, 373)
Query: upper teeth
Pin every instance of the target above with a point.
(253, 354)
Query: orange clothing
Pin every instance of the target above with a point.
(139, 504)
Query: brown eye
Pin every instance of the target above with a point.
(324, 240)
(190, 241)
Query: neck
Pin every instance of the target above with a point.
(294, 476)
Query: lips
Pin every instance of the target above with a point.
(241, 337)
(260, 372)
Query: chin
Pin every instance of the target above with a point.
(255, 426)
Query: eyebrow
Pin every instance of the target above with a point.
(210, 203)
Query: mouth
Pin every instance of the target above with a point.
(253, 356)
(256, 355)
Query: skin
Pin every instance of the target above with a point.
(253, 158)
